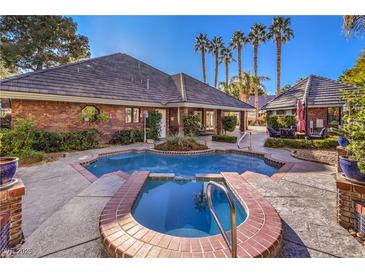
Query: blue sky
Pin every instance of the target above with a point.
(167, 43)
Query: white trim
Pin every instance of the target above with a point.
(93, 100)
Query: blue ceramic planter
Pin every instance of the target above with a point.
(343, 141)
(8, 166)
(351, 170)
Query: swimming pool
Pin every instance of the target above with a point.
(178, 208)
(181, 165)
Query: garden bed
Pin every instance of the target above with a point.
(316, 155)
(325, 144)
(177, 143)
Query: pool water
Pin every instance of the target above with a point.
(174, 207)
(181, 165)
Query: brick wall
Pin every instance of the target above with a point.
(65, 116)
(4, 230)
(317, 113)
(11, 201)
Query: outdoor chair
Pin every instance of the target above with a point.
(287, 133)
(273, 133)
(321, 135)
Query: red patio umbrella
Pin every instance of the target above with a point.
(300, 117)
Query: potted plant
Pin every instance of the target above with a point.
(342, 138)
(8, 166)
(353, 165)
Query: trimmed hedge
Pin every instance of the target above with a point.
(281, 121)
(328, 143)
(229, 123)
(127, 136)
(179, 143)
(224, 138)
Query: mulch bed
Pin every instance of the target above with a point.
(324, 156)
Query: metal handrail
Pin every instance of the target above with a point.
(232, 244)
(242, 137)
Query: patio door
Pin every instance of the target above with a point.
(162, 123)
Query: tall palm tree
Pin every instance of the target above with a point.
(237, 42)
(280, 32)
(214, 48)
(202, 45)
(226, 58)
(354, 24)
(256, 36)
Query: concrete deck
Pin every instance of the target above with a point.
(61, 208)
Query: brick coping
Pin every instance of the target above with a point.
(260, 235)
(284, 167)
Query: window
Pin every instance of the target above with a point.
(135, 115)
(333, 116)
(128, 115)
(132, 115)
(210, 120)
(288, 112)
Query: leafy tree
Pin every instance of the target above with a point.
(38, 42)
(356, 75)
(256, 36)
(354, 24)
(280, 32)
(229, 123)
(153, 124)
(226, 58)
(202, 45)
(192, 125)
(285, 88)
(4, 71)
(215, 47)
(237, 42)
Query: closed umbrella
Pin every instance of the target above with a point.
(300, 117)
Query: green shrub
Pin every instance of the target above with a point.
(281, 121)
(328, 143)
(224, 138)
(27, 157)
(127, 136)
(229, 123)
(192, 125)
(179, 143)
(153, 124)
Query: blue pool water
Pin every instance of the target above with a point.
(172, 207)
(181, 165)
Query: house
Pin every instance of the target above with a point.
(121, 87)
(322, 100)
(263, 100)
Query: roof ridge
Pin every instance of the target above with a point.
(226, 94)
(23, 75)
(307, 89)
(332, 80)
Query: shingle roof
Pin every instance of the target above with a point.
(263, 100)
(117, 76)
(317, 91)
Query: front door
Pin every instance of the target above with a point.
(162, 123)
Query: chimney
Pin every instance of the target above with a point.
(148, 83)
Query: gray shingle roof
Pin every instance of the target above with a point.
(316, 90)
(117, 76)
(263, 100)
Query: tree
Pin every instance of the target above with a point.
(285, 88)
(242, 89)
(226, 58)
(354, 24)
(280, 32)
(237, 42)
(214, 48)
(4, 71)
(256, 36)
(202, 45)
(38, 42)
(356, 75)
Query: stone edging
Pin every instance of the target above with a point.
(260, 235)
(79, 166)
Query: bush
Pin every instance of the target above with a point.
(281, 121)
(229, 123)
(224, 138)
(192, 125)
(153, 125)
(128, 136)
(328, 143)
(179, 143)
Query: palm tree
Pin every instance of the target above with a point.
(202, 45)
(256, 36)
(237, 42)
(354, 24)
(280, 32)
(214, 47)
(226, 58)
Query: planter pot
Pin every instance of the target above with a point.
(8, 166)
(350, 168)
(343, 141)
